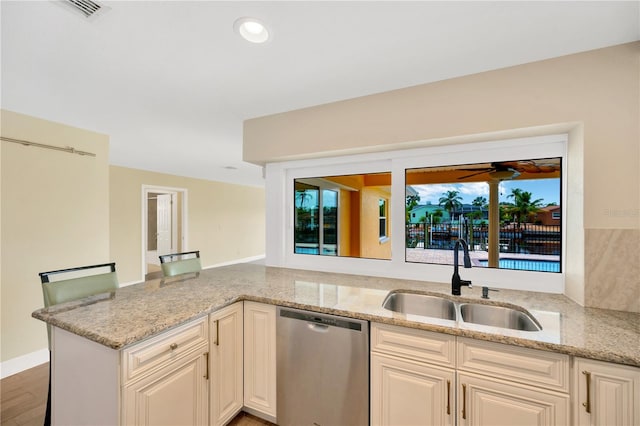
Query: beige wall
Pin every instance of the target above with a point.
(594, 96)
(226, 222)
(61, 210)
(55, 214)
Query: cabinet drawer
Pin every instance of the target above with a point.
(524, 365)
(411, 343)
(158, 351)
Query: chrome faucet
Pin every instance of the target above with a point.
(456, 282)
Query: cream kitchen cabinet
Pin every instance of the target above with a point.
(160, 380)
(500, 384)
(260, 359)
(174, 396)
(419, 377)
(605, 393)
(226, 363)
(406, 392)
(412, 377)
(166, 378)
(484, 400)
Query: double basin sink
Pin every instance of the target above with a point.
(476, 313)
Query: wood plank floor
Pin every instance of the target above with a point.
(23, 397)
(23, 400)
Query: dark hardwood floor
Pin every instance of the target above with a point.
(23, 400)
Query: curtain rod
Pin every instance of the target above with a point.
(68, 149)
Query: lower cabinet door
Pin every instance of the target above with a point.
(226, 364)
(175, 395)
(260, 359)
(606, 394)
(491, 402)
(407, 392)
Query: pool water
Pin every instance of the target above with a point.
(527, 265)
(315, 250)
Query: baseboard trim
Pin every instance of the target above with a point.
(259, 414)
(216, 265)
(236, 261)
(23, 362)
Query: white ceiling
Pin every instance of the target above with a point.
(171, 83)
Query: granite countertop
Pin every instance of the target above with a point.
(136, 312)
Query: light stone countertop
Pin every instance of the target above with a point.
(139, 311)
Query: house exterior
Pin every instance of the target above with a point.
(420, 212)
(426, 210)
(355, 223)
(550, 215)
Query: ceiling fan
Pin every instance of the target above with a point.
(495, 171)
(512, 169)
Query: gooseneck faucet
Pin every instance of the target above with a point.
(456, 282)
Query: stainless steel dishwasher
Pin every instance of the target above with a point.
(322, 368)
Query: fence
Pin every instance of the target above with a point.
(526, 238)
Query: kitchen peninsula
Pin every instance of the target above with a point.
(121, 320)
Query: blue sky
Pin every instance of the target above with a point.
(547, 189)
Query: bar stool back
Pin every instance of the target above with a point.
(180, 263)
(64, 285)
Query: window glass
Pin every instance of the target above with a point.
(330, 222)
(307, 218)
(346, 215)
(382, 203)
(508, 212)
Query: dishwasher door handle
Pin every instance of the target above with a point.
(318, 328)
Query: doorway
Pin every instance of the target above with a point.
(163, 213)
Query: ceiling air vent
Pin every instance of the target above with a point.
(88, 8)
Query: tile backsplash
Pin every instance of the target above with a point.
(612, 269)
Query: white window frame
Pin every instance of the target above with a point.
(323, 186)
(384, 237)
(279, 193)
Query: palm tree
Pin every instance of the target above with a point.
(412, 202)
(451, 202)
(302, 196)
(523, 206)
(480, 202)
(437, 216)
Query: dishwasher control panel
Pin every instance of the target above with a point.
(321, 319)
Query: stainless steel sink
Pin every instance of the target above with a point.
(420, 304)
(498, 316)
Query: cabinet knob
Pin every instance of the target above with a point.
(173, 346)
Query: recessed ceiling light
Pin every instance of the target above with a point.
(251, 29)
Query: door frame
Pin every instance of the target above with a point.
(146, 189)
